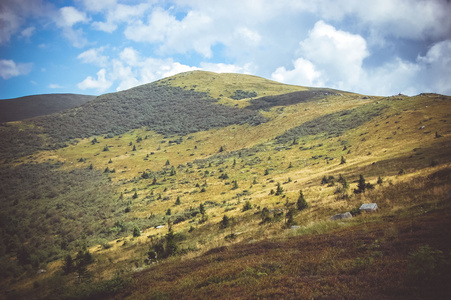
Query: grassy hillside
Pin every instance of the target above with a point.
(37, 105)
(229, 192)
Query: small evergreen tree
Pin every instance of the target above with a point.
(361, 185)
(94, 141)
(136, 231)
(173, 172)
(279, 190)
(265, 215)
(68, 266)
(221, 149)
(171, 244)
(167, 163)
(266, 172)
(107, 170)
(380, 180)
(90, 167)
(343, 161)
(82, 260)
(225, 222)
(135, 195)
(106, 148)
(110, 161)
(134, 148)
(202, 209)
(343, 182)
(247, 206)
(168, 212)
(290, 217)
(178, 202)
(235, 185)
(301, 203)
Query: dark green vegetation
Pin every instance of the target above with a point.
(265, 103)
(164, 109)
(141, 209)
(46, 212)
(38, 105)
(335, 124)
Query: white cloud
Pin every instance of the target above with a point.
(193, 32)
(304, 73)
(99, 5)
(55, 86)
(14, 15)
(399, 18)
(69, 16)
(437, 67)
(248, 35)
(101, 84)
(75, 36)
(337, 54)
(131, 69)
(9, 68)
(28, 32)
(120, 13)
(224, 68)
(94, 56)
(130, 56)
(328, 57)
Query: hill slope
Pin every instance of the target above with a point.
(38, 105)
(228, 191)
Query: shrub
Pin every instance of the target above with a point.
(301, 203)
(136, 231)
(279, 190)
(225, 222)
(427, 265)
(247, 206)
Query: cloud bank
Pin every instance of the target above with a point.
(382, 47)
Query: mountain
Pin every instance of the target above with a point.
(37, 105)
(223, 185)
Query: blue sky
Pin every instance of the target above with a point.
(93, 47)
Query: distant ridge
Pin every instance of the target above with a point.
(17, 109)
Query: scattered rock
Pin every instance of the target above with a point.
(40, 271)
(345, 215)
(159, 226)
(368, 207)
(295, 227)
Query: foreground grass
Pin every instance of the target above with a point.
(368, 256)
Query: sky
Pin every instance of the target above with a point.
(93, 47)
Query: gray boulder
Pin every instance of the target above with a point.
(368, 207)
(345, 215)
